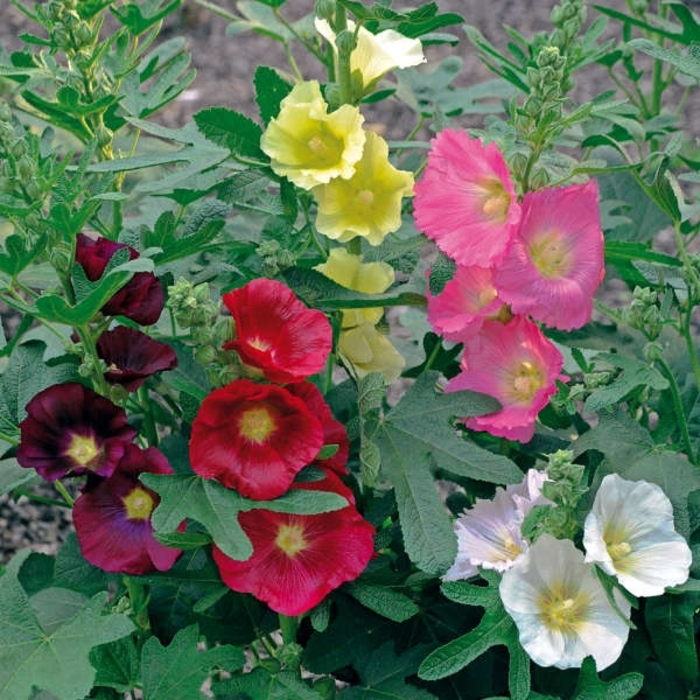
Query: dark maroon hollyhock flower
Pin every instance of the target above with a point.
(132, 356)
(277, 333)
(254, 438)
(298, 559)
(113, 518)
(141, 299)
(71, 430)
(334, 432)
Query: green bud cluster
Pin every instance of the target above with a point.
(67, 30)
(643, 313)
(192, 306)
(274, 257)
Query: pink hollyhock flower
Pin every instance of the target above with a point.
(518, 366)
(141, 299)
(555, 262)
(277, 333)
(298, 559)
(465, 200)
(254, 438)
(70, 430)
(467, 300)
(113, 518)
(334, 432)
(132, 356)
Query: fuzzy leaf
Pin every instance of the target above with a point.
(384, 601)
(270, 90)
(590, 687)
(231, 130)
(262, 684)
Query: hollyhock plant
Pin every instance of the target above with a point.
(471, 181)
(254, 438)
(375, 55)
(334, 432)
(309, 146)
(70, 430)
(276, 333)
(367, 350)
(629, 534)
(141, 299)
(560, 607)
(466, 301)
(298, 560)
(112, 517)
(132, 356)
(555, 262)
(489, 534)
(518, 366)
(367, 204)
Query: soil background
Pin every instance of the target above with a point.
(225, 66)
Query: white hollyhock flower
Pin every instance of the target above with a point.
(488, 535)
(377, 54)
(629, 533)
(560, 608)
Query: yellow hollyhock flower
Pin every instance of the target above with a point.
(368, 203)
(308, 145)
(376, 54)
(368, 350)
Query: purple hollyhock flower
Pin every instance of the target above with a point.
(141, 299)
(71, 430)
(112, 517)
(132, 356)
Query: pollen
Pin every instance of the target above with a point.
(365, 198)
(84, 451)
(256, 425)
(562, 610)
(527, 380)
(139, 504)
(551, 255)
(290, 539)
(495, 201)
(618, 550)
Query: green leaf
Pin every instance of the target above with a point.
(416, 436)
(139, 18)
(216, 508)
(669, 621)
(56, 660)
(118, 664)
(12, 475)
(178, 670)
(590, 687)
(20, 252)
(270, 90)
(73, 571)
(231, 130)
(263, 684)
(384, 601)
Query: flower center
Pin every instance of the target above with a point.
(527, 380)
(325, 148)
(550, 254)
(259, 344)
(256, 425)
(365, 198)
(562, 612)
(139, 504)
(494, 199)
(84, 451)
(618, 550)
(290, 539)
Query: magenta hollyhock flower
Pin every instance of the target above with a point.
(467, 300)
(518, 366)
(70, 430)
(334, 432)
(555, 262)
(298, 559)
(254, 438)
(132, 356)
(141, 299)
(277, 333)
(465, 200)
(112, 517)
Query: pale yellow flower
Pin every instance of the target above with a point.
(368, 350)
(368, 203)
(308, 145)
(377, 54)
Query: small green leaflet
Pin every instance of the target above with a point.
(590, 687)
(229, 129)
(56, 660)
(217, 508)
(263, 684)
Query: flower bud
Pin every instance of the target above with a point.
(345, 41)
(103, 135)
(5, 111)
(325, 9)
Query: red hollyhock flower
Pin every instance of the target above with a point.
(141, 299)
(334, 432)
(132, 356)
(71, 430)
(298, 559)
(277, 333)
(113, 518)
(254, 438)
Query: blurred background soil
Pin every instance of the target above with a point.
(225, 66)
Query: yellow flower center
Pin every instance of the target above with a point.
(290, 539)
(551, 255)
(325, 147)
(365, 198)
(495, 201)
(256, 425)
(512, 548)
(563, 610)
(139, 504)
(259, 344)
(84, 451)
(618, 550)
(527, 380)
